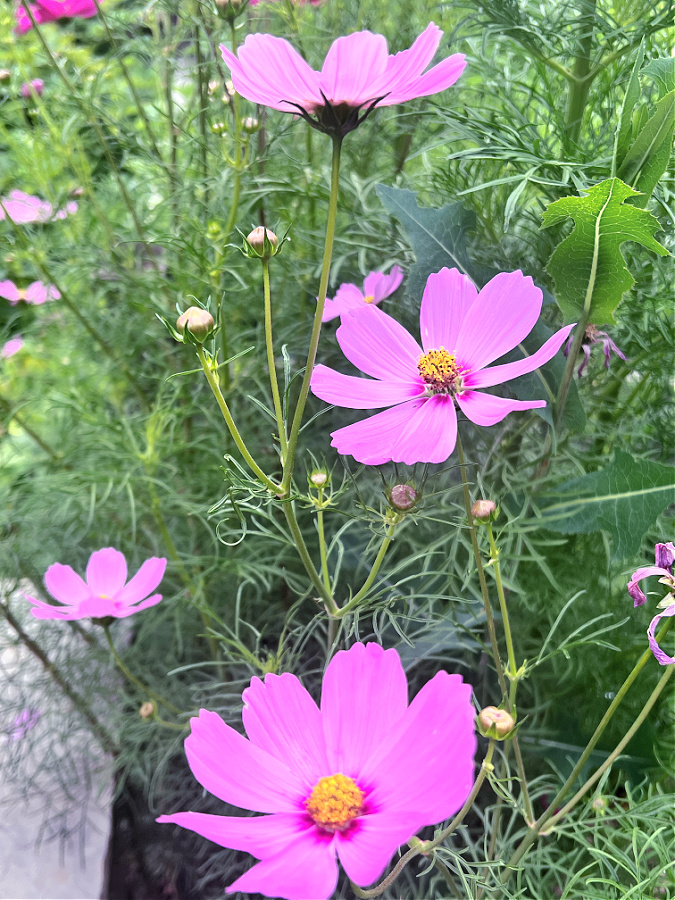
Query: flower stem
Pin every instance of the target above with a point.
(132, 678)
(303, 552)
(21, 422)
(269, 343)
(322, 543)
(289, 462)
(212, 378)
(494, 559)
(379, 559)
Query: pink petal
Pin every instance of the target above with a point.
(347, 296)
(106, 572)
(486, 409)
(122, 611)
(634, 589)
(371, 441)
(352, 66)
(281, 718)
(65, 585)
(448, 296)
(375, 343)
(144, 581)
(361, 393)
(500, 374)
(407, 66)
(429, 434)
(368, 846)
(238, 772)
(364, 694)
(378, 285)
(306, 871)
(263, 836)
(9, 291)
(662, 658)
(426, 767)
(438, 79)
(505, 311)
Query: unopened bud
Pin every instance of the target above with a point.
(483, 510)
(318, 479)
(197, 321)
(219, 128)
(250, 124)
(665, 555)
(403, 497)
(263, 242)
(495, 723)
(36, 86)
(146, 710)
(599, 804)
(5, 76)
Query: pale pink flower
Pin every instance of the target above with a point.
(357, 75)
(376, 287)
(11, 347)
(51, 10)
(105, 592)
(35, 294)
(29, 88)
(23, 209)
(354, 779)
(463, 331)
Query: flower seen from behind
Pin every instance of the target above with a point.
(24, 209)
(354, 779)
(51, 10)
(105, 592)
(357, 75)
(665, 559)
(376, 287)
(35, 294)
(462, 332)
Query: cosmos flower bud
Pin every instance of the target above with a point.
(5, 76)
(318, 479)
(664, 555)
(403, 497)
(262, 242)
(146, 710)
(219, 128)
(484, 510)
(250, 124)
(36, 86)
(495, 723)
(196, 321)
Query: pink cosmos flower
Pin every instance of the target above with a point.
(35, 294)
(51, 10)
(36, 86)
(11, 347)
(354, 779)
(462, 332)
(105, 592)
(357, 75)
(23, 209)
(664, 555)
(376, 287)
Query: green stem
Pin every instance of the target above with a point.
(202, 93)
(494, 559)
(29, 431)
(379, 559)
(212, 379)
(322, 543)
(580, 85)
(318, 315)
(269, 343)
(132, 678)
(426, 847)
(303, 552)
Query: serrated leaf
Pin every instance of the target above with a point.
(588, 267)
(624, 499)
(625, 129)
(437, 236)
(662, 70)
(649, 155)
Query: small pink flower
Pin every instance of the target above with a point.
(11, 347)
(357, 75)
(35, 294)
(51, 10)
(376, 288)
(355, 779)
(105, 592)
(463, 331)
(36, 86)
(24, 209)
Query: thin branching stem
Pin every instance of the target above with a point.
(143, 688)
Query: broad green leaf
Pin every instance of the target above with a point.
(588, 267)
(437, 236)
(649, 155)
(624, 499)
(663, 71)
(625, 130)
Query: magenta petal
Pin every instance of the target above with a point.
(378, 285)
(9, 291)
(361, 393)
(662, 658)
(486, 409)
(65, 584)
(500, 374)
(437, 79)
(406, 66)
(364, 694)
(144, 581)
(427, 765)
(371, 441)
(121, 611)
(352, 66)
(633, 585)
(262, 836)
(106, 572)
(238, 772)
(347, 296)
(365, 849)
(281, 718)
(505, 311)
(429, 434)
(306, 871)
(448, 296)
(378, 345)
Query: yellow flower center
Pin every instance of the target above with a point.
(22, 294)
(335, 802)
(440, 372)
(369, 299)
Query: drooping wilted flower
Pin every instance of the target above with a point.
(353, 779)
(664, 555)
(376, 287)
(594, 336)
(463, 331)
